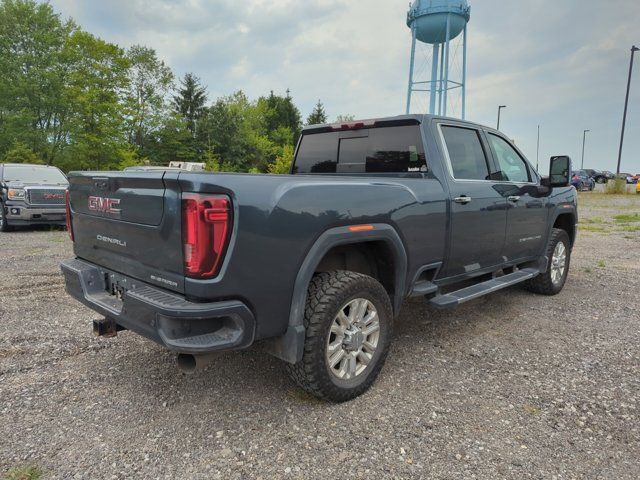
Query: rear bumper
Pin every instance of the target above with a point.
(20, 213)
(166, 318)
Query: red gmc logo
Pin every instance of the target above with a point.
(104, 205)
(54, 196)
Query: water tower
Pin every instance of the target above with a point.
(434, 24)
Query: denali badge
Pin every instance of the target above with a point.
(113, 241)
(105, 205)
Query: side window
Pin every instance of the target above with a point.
(396, 150)
(317, 153)
(468, 160)
(512, 167)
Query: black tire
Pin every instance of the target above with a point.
(544, 283)
(4, 226)
(601, 180)
(328, 294)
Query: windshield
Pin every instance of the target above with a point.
(33, 174)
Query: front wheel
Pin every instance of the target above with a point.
(348, 321)
(4, 226)
(552, 281)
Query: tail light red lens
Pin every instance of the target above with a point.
(206, 225)
(67, 201)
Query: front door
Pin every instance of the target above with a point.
(478, 209)
(527, 211)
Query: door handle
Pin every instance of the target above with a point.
(513, 198)
(462, 199)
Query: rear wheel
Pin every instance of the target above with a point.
(348, 321)
(559, 254)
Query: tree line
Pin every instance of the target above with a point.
(73, 100)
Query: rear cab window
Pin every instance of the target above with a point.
(393, 149)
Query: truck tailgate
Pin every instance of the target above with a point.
(130, 223)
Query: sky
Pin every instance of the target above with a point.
(560, 64)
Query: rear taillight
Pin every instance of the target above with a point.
(67, 201)
(206, 224)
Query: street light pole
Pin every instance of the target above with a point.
(538, 151)
(584, 138)
(634, 49)
(499, 109)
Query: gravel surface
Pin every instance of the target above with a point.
(513, 385)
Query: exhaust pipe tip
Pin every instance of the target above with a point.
(190, 364)
(187, 363)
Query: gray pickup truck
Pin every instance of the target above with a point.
(313, 266)
(31, 194)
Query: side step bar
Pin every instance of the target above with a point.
(453, 299)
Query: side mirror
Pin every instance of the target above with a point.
(560, 171)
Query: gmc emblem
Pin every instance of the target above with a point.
(104, 205)
(54, 196)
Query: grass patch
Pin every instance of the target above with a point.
(601, 264)
(630, 228)
(23, 473)
(616, 187)
(593, 228)
(627, 218)
(592, 220)
(588, 270)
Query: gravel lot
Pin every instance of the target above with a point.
(512, 385)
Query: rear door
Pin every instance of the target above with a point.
(130, 223)
(527, 211)
(477, 207)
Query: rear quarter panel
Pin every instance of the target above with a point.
(277, 219)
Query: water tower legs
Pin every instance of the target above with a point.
(413, 60)
(434, 77)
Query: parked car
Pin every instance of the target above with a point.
(582, 181)
(597, 175)
(314, 266)
(609, 175)
(635, 178)
(31, 194)
(627, 177)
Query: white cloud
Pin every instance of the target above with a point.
(560, 64)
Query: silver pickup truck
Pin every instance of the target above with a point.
(31, 194)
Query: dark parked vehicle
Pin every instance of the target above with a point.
(627, 177)
(31, 194)
(609, 175)
(597, 175)
(314, 266)
(582, 181)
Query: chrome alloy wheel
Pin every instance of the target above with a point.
(558, 263)
(353, 339)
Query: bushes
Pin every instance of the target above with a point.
(616, 187)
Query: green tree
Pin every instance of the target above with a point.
(281, 112)
(318, 115)
(283, 162)
(21, 153)
(34, 65)
(191, 100)
(97, 118)
(150, 81)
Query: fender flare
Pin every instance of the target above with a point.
(289, 347)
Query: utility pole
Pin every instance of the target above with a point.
(634, 49)
(584, 138)
(538, 151)
(499, 109)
